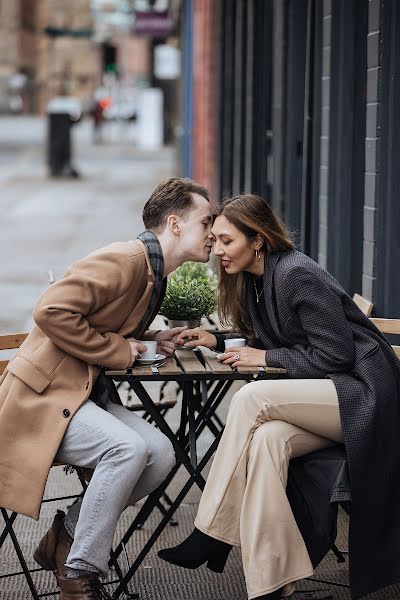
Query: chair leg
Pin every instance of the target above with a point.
(9, 531)
(20, 555)
(338, 553)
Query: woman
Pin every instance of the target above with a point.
(342, 386)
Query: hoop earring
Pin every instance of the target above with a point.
(258, 255)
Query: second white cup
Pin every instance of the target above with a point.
(151, 351)
(234, 343)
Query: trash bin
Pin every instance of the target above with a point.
(150, 129)
(63, 112)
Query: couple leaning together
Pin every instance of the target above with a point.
(342, 386)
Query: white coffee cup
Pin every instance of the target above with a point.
(234, 343)
(151, 351)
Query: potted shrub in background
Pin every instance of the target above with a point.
(190, 295)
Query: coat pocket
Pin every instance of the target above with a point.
(29, 374)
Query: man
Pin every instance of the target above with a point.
(50, 409)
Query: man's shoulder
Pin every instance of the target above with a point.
(129, 249)
(122, 256)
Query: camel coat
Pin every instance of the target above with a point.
(81, 322)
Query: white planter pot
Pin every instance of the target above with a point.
(191, 324)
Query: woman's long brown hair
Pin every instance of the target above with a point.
(253, 216)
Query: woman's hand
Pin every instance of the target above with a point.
(166, 339)
(196, 337)
(243, 357)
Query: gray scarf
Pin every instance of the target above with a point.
(154, 250)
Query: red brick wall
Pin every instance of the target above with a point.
(205, 94)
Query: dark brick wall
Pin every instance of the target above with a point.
(372, 149)
(325, 111)
(372, 156)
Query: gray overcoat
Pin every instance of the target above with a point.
(320, 332)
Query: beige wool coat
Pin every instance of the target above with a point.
(80, 324)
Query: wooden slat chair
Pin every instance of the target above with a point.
(389, 327)
(8, 343)
(363, 304)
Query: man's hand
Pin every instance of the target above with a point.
(136, 348)
(196, 337)
(248, 357)
(166, 339)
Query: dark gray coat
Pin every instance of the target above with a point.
(322, 333)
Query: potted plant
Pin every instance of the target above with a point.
(190, 295)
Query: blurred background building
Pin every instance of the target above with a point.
(46, 50)
(299, 101)
(74, 47)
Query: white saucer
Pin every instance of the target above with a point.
(150, 361)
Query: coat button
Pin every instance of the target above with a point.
(66, 413)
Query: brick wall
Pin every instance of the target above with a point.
(9, 23)
(134, 54)
(205, 94)
(54, 65)
(66, 64)
(324, 154)
(371, 148)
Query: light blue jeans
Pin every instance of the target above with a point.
(131, 458)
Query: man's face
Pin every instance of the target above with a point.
(195, 231)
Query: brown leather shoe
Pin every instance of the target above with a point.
(54, 547)
(81, 588)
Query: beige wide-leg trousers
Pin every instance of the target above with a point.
(244, 502)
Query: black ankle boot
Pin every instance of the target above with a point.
(271, 596)
(197, 549)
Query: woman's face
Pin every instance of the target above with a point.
(232, 247)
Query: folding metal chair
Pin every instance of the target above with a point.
(12, 342)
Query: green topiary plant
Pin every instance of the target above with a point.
(190, 293)
(197, 271)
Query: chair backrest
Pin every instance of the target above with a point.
(363, 304)
(389, 327)
(10, 342)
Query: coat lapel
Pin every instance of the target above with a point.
(271, 298)
(136, 315)
(257, 324)
(271, 260)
